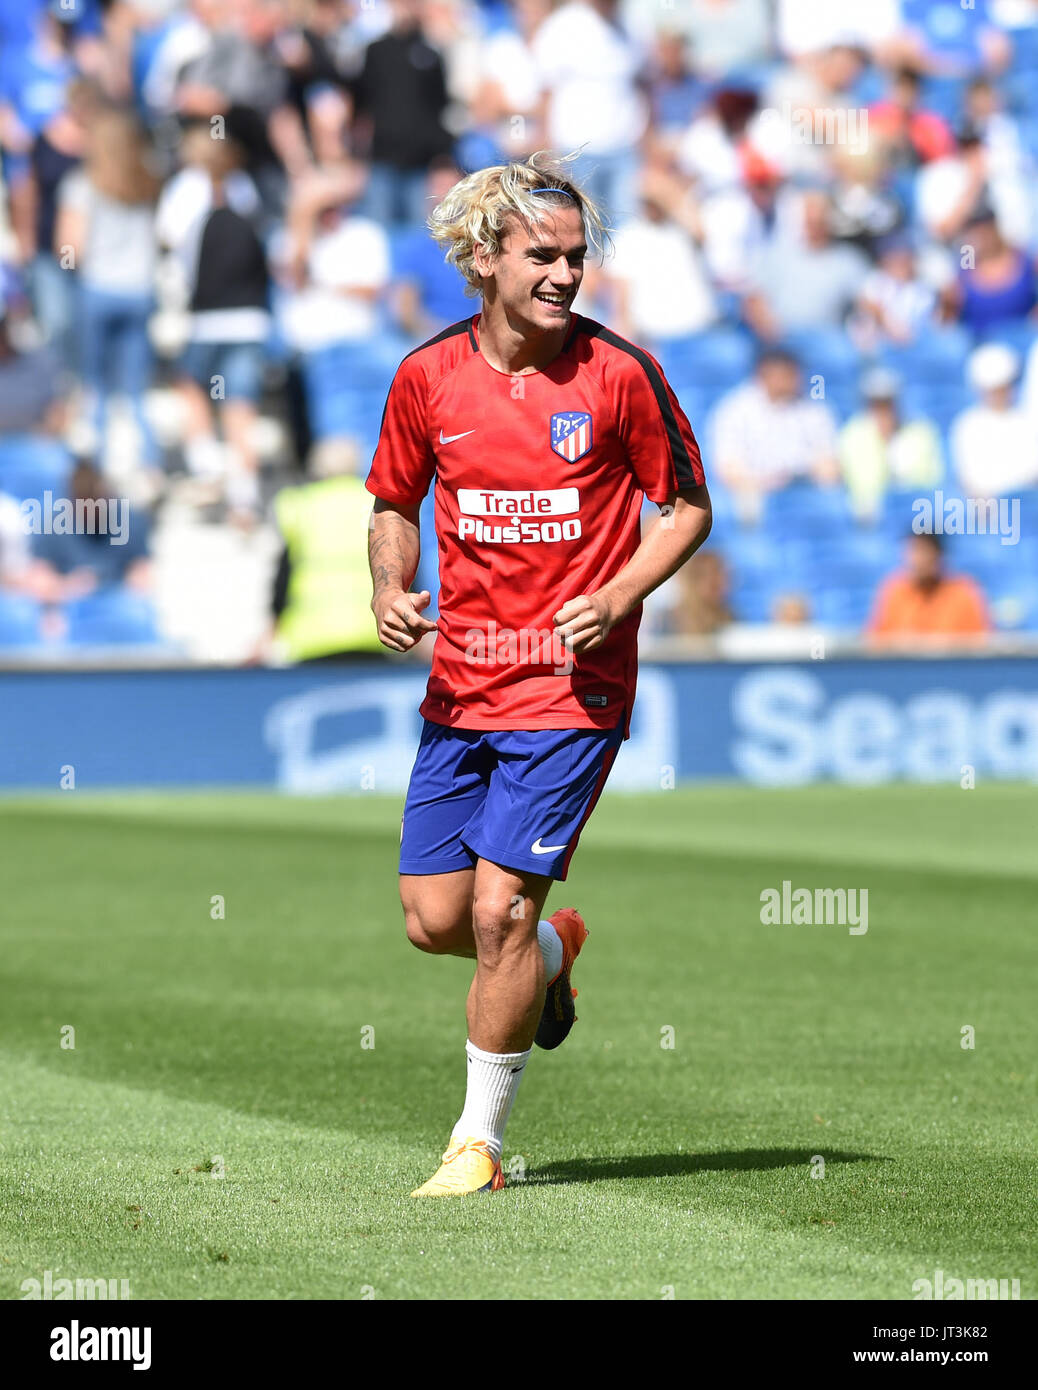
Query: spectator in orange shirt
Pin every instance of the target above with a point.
(924, 605)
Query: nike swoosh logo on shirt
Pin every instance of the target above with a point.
(538, 848)
(450, 438)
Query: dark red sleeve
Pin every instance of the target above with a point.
(660, 444)
(404, 462)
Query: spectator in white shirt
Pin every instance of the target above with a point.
(895, 303)
(1029, 389)
(725, 35)
(994, 444)
(660, 286)
(767, 434)
(807, 282)
(949, 191)
(590, 69)
(507, 102)
(711, 150)
(337, 264)
(805, 26)
(15, 549)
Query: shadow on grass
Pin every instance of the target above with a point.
(678, 1165)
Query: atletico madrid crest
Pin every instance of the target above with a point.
(571, 434)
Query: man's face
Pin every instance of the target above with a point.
(923, 560)
(816, 219)
(780, 380)
(539, 268)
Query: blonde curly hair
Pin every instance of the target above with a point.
(475, 211)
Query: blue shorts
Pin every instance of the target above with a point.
(519, 798)
(240, 364)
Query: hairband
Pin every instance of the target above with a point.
(552, 190)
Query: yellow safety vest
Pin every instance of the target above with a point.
(328, 605)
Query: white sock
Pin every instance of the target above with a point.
(493, 1080)
(550, 943)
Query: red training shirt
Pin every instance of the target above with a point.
(540, 481)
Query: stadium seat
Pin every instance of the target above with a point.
(113, 617)
(753, 558)
(1025, 49)
(751, 603)
(845, 609)
(825, 352)
(843, 397)
(1013, 604)
(19, 621)
(722, 504)
(936, 401)
(898, 509)
(1018, 334)
(856, 557)
(946, 96)
(696, 400)
(935, 356)
(804, 510)
(720, 358)
(31, 465)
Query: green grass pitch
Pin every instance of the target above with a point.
(207, 1046)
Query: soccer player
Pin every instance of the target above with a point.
(543, 430)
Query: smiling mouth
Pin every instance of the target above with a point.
(555, 301)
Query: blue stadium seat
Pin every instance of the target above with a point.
(1018, 334)
(847, 609)
(723, 506)
(856, 558)
(751, 603)
(806, 510)
(346, 387)
(936, 401)
(946, 96)
(696, 400)
(1025, 49)
(825, 352)
(112, 617)
(1029, 509)
(896, 515)
(753, 558)
(718, 359)
(843, 397)
(1013, 606)
(19, 621)
(31, 465)
(936, 356)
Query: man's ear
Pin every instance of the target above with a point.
(482, 259)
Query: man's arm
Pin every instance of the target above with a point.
(393, 551)
(674, 537)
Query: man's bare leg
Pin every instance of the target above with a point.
(507, 993)
(438, 912)
(505, 1002)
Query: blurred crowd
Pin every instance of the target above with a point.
(213, 256)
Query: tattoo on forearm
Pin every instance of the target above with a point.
(392, 551)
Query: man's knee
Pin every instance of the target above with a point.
(499, 925)
(437, 933)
